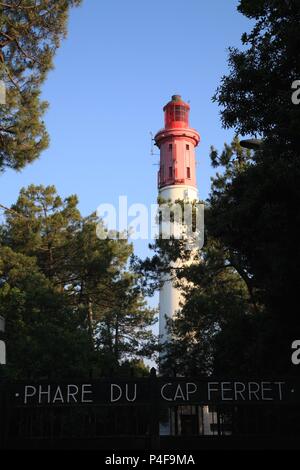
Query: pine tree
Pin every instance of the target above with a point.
(30, 33)
(256, 214)
(79, 280)
(45, 338)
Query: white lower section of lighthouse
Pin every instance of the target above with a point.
(170, 296)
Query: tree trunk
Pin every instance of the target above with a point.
(91, 321)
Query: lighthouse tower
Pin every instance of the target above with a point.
(176, 181)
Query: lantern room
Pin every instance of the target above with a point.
(176, 113)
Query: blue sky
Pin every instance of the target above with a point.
(120, 64)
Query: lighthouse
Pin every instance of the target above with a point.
(177, 142)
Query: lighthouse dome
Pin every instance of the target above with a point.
(176, 113)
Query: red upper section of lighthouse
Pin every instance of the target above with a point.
(176, 113)
(177, 142)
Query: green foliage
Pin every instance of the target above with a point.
(72, 306)
(30, 33)
(135, 368)
(256, 213)
(44, 337)
(212, 331)
(256, 95)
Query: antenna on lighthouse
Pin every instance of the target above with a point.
(152, 151)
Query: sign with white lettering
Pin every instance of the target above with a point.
(164, 391)
(224, 391)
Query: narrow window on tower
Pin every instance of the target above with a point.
(170, 146)
(188, 170)
(170, 172)
(187, 147)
